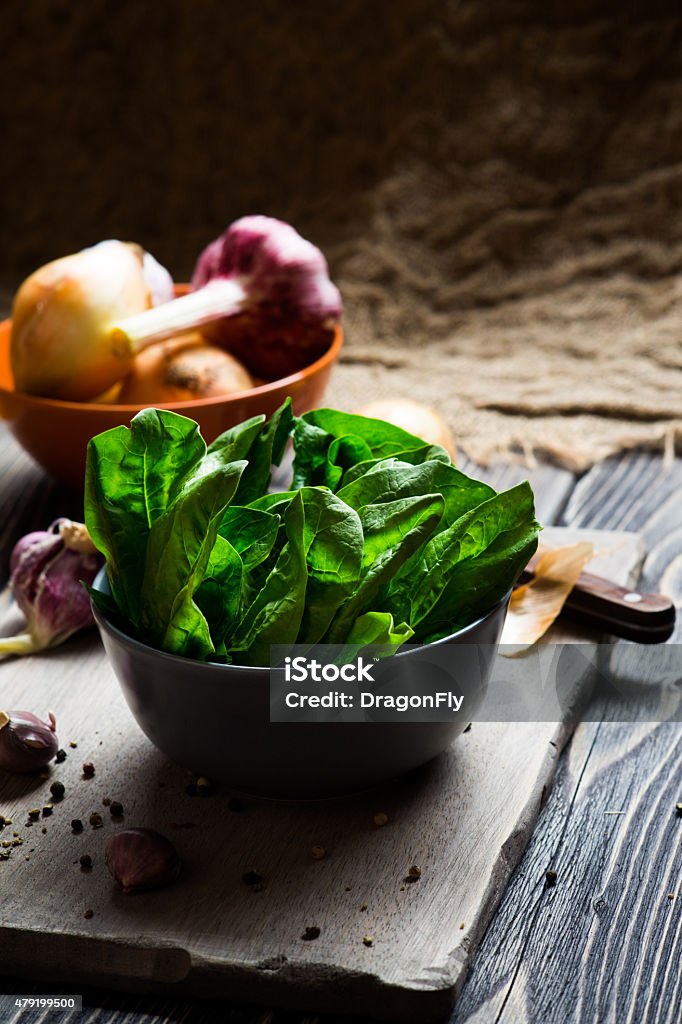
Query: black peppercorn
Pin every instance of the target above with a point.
(57, 789)
(253, 880)
(116, 809)
(86, 862)
(77, 825)
(60, 756)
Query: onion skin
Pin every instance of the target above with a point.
(414, 417)
(183, 370)
(60, 343)
(141, 858)
(27, 743)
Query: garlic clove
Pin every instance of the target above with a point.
(27, 743)
(141, 858)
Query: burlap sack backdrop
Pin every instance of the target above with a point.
(497, 186)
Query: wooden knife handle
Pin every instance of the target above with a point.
(628, 613)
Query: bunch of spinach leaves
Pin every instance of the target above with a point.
(379, 540)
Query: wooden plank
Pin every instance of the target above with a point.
(605, 943)
(29, 500)
(464, 819)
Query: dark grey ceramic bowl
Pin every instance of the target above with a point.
(215, 719)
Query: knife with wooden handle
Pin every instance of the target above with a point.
(627, 613)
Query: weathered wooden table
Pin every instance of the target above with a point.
(604, 943)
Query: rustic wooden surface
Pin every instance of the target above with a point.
(605, 943)
(465, 821)
(633, 492)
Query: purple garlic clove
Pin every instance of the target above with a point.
(141, 858)
(27, 743)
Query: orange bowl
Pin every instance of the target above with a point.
(56, 433)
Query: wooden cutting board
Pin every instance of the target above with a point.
(464, 819)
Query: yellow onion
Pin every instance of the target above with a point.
(61, 344)
(182, 370)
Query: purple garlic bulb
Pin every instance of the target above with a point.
(278, 269)
(290, 307)
(261, 291)
(48, 569)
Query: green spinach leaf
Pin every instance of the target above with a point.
(476, 583)
(329, 444)
(333, 542)
(311, 445)
(414, 457)
(382, 439)
(378, 628)
(236, 443)
(132, 476)
(393, 479)
(274, 616)
(252, 533)
(343, 453)
(393, 532)
(178, 553)
(266, 450)
(417, 589)
(219, 595)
